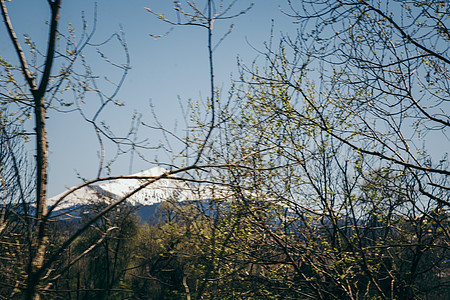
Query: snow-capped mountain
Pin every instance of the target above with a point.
(163, 189)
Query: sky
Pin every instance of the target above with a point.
(165, 71)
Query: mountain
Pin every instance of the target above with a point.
(155, 193)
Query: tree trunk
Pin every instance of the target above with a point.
(40, 241)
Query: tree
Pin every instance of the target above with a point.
(317, 186)
(329, 130)
(38, 90)
(35, 88)
(330, 193)
(102, 273)
(384, 74)
(17, 189)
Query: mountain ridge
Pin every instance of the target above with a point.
(156, 192)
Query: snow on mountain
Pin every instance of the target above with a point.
(163, 189)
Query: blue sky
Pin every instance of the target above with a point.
(163, 69)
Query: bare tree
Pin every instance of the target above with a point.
(336, 175)
(333, 192)
(34, 94)
(32, 90)
(385, 76)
